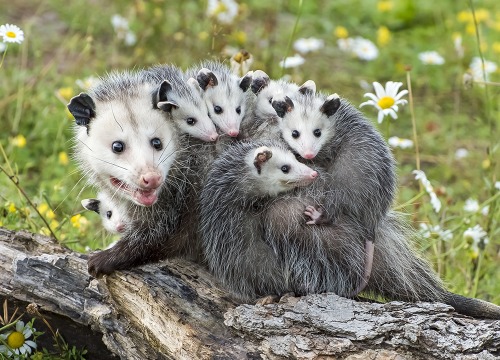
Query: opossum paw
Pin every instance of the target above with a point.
(99, 264)
(315, 215)
(266, 300)
(285, 297)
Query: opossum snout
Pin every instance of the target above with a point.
(309, 155)
(233, 132)
(150, 180)
(214, 136)
(313, 174)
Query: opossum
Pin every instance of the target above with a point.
(182, 97)
(114, 213)
(224, 94)
(125, 145)
(330, 133)
(243, 181)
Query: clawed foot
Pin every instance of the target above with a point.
(266, 300)
(315, 215)
(99, 264)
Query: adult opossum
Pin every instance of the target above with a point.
(242, 183)
(125, 145)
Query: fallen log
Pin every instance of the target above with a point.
(176, 310)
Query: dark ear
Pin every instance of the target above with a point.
(308, 88)
(331, 105)
(259, 81)
(161, 97)
(246, 81)
(91, 204)
(82, 107)
(262, 154)
(206, 79)
(282, 106)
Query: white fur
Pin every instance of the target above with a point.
(276, 88)
(114, 122)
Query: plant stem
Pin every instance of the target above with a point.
(476, 275)
(3, 56)
(292, 36)
(413, 122)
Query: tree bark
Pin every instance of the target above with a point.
(176, 310)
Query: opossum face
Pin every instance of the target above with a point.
(225, 99)
(127, 146)
(307, 124)
(276, 170)
(113, 212)
(187, 109)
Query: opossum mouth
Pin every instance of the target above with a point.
(297, 183)
(145, 197)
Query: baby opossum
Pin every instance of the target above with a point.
(125, 145)
(242, 183)
(113, 212)
(330, 133)
(224, 94)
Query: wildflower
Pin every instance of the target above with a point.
(203, 35)
(435, 202)
(341, 32)
(364, 49)
(395, 141)
(461, 153)
(477, 237)
(130, 38)
(383, 36)
(79, 222)
(43, 207)
(65, 93)
(386, 100)
(485, 210)
(431, 58)
(17, 340)
(54, 224)
(482, 15)
(495, 47)
(308, 45)
(457, 43)
(292, 61)
(465, 17)
(63, 158)
(241, 62)
(497, 185)
(120, 25)
(479, 72)
(345, 44)
(11, 34)
(223, 10)
(428, 231)
(12, 207)
(384, 6)
(19, 141)
(471, 205)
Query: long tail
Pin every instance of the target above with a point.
(399, 273)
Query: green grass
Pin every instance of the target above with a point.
(69, 41)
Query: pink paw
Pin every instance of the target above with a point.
(314, 214)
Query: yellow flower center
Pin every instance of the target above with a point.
(386, 102)
(15, 340)
(11, 34)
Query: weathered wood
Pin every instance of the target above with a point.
(176, 310)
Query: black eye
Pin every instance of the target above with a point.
(270, 100)
(156, 143)
(118, 146)
(217, 109)
(285, 169)
(295, 134)
(238, 110)
(191, 121)
(317, 132)
(109, 214)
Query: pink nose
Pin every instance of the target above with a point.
(233, 132)
(214, 136)
(314, 175)
(309, 155)
(120, 227)
(150, 180)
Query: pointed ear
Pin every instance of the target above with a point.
(246, 81)
(308, 88)
(161, 97)
(82, 107)
(259, 81)
(282, 106)
(194, 84)
(91, 204)
(331, 105)
(206, 79)
(261, 155)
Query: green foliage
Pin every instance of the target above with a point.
(70, 41)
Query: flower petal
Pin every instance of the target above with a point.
(379, 90)
(371, 96)
(380, 117)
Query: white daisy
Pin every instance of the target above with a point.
(477, 236)
(364, 49)
(477, 68)
(386, 100)
(223, 10)
(345, 44)
(395, 141)
(292, 61)
(11, 33)
(497, 185)
(461, 153)
(431, 58)
(459, 49)
(308, 45)
(428, 230)
(130, 38)
(471, 205)
(435, 202)
(120, 25)
(16, 340)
